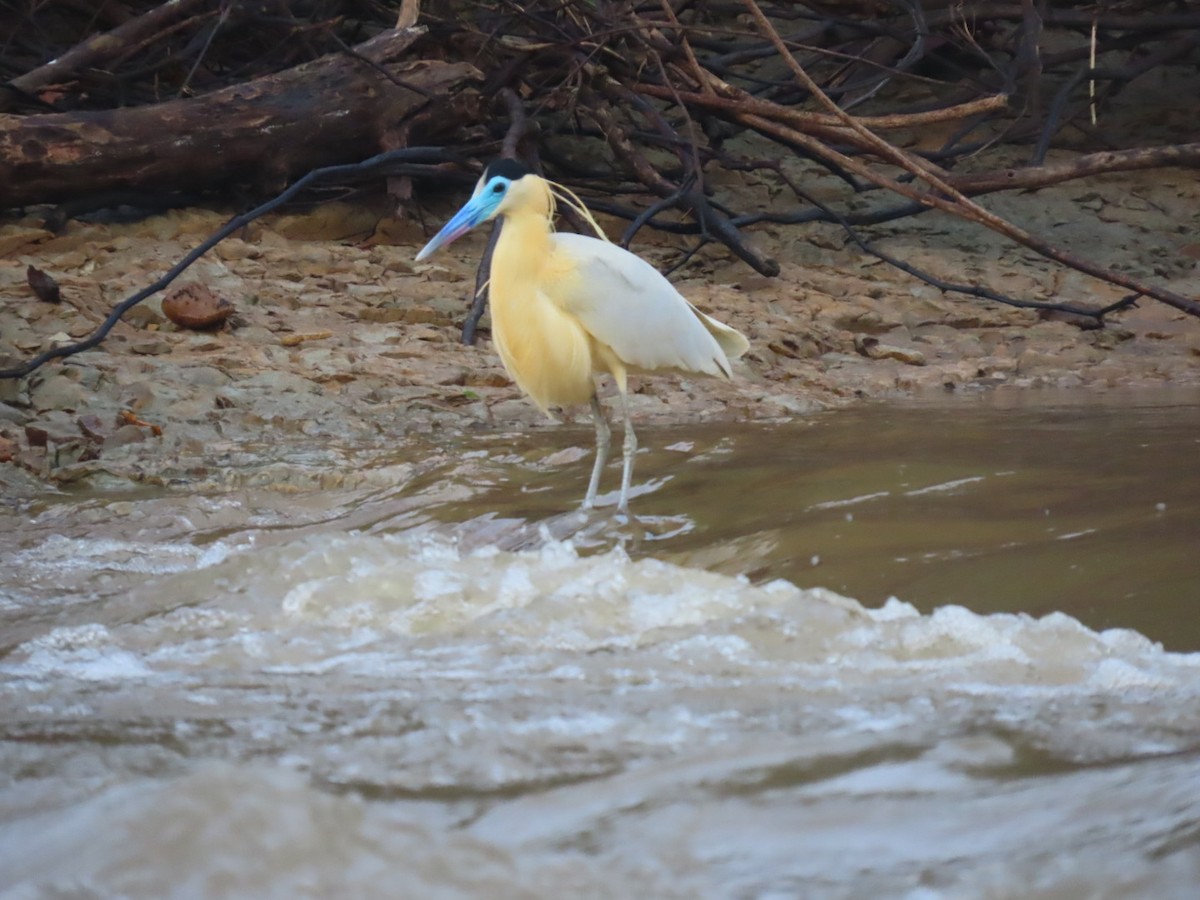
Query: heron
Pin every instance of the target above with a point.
(567, 308)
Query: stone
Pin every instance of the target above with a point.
(151, 347)
(205, 376)
(126, 434)
(143, 316)
(383, 314)
(137, 396)
(71, 452)
(51, 428)
(10, 388)
(233, 249)
(59, 391)
(87, 375)
(872, 348)
(12, 414)
(18, 237)
(92, 428)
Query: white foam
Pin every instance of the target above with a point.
(84, 652)
(415, 606)
(849, 501)
(60, 553)
(945, 486)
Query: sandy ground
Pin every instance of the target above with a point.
(340, 339)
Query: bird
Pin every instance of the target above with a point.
(567, 308)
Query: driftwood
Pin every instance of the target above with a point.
(263, 133)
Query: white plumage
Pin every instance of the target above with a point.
(626, 303)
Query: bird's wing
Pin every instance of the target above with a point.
(622, 301)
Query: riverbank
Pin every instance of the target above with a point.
(340, 339)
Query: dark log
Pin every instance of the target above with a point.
(262, 133)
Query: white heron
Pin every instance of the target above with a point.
(567, 307)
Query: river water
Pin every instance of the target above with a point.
(437, 680)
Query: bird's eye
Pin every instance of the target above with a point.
(499, 188)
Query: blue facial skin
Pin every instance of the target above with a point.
(480, 208)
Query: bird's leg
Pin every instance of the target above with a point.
(603, 439)
(630, 449)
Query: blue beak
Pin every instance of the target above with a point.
(464, 220)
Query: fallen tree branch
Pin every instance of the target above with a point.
(1028, 177)
(263, 132)
(823, 122)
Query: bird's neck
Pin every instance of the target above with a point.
(521, 251)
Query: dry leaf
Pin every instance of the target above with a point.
(44, 285)
(195, 306)
(93, 429)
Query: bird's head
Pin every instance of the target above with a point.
(505, 187)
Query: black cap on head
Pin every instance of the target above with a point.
(509, 168)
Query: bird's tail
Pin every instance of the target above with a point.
(731, 341)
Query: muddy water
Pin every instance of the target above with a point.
(997, 502)
(435, 682)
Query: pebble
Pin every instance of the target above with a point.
(126, 434)
(52, 427)
(12, 414)
(26, 340)
(872, 349)
(234, 249)
(205, 376)
(18, 237)
(10, 388)
(93, 428)
(151, 347)
(59, 391)
(144, 315)
(80, 327)
(138, 395)
(440, 274)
